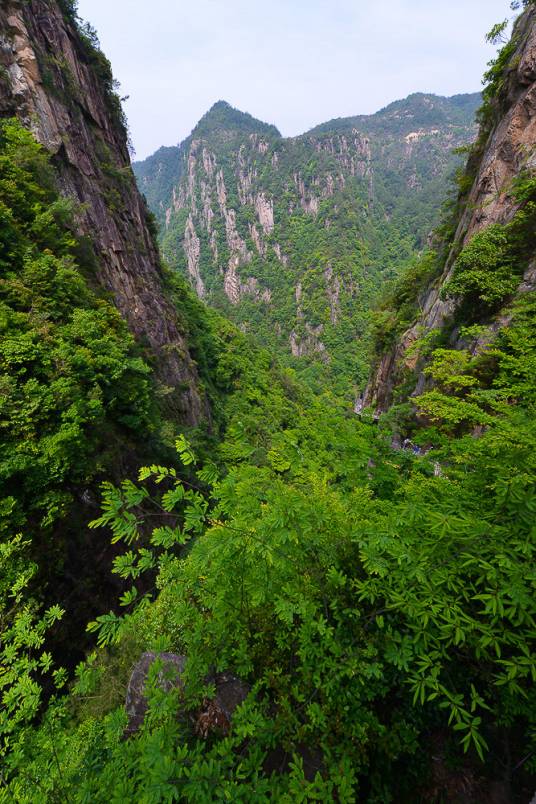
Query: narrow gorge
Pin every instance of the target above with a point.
(267, 438)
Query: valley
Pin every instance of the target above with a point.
(267, 442)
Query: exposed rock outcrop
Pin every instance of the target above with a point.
(54, 81)
(265, 211)
(231, 282)
(308, 343)
(192, 247)
(333, 289)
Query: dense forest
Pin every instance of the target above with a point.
(219, 583)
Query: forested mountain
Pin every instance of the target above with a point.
(287, 602)
(291, 238)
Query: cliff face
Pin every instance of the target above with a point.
(54, 79)
(507, 150)
(293, 237)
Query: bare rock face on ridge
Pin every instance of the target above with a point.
(55, 81)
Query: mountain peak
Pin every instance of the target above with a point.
(223, 117)
(220, 105)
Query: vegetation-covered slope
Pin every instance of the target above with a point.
(292, 238)
(95, 361)
(381, 611)
(73, 389)
(403, 116)
(460, 296)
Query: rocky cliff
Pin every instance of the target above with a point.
(504, 152)
(56, 81)
(293, 237)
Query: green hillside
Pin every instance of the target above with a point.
(292, 238)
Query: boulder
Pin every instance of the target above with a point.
(214, 715)
(169, 677)
(216, 712)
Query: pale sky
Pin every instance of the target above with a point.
(294, 63)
